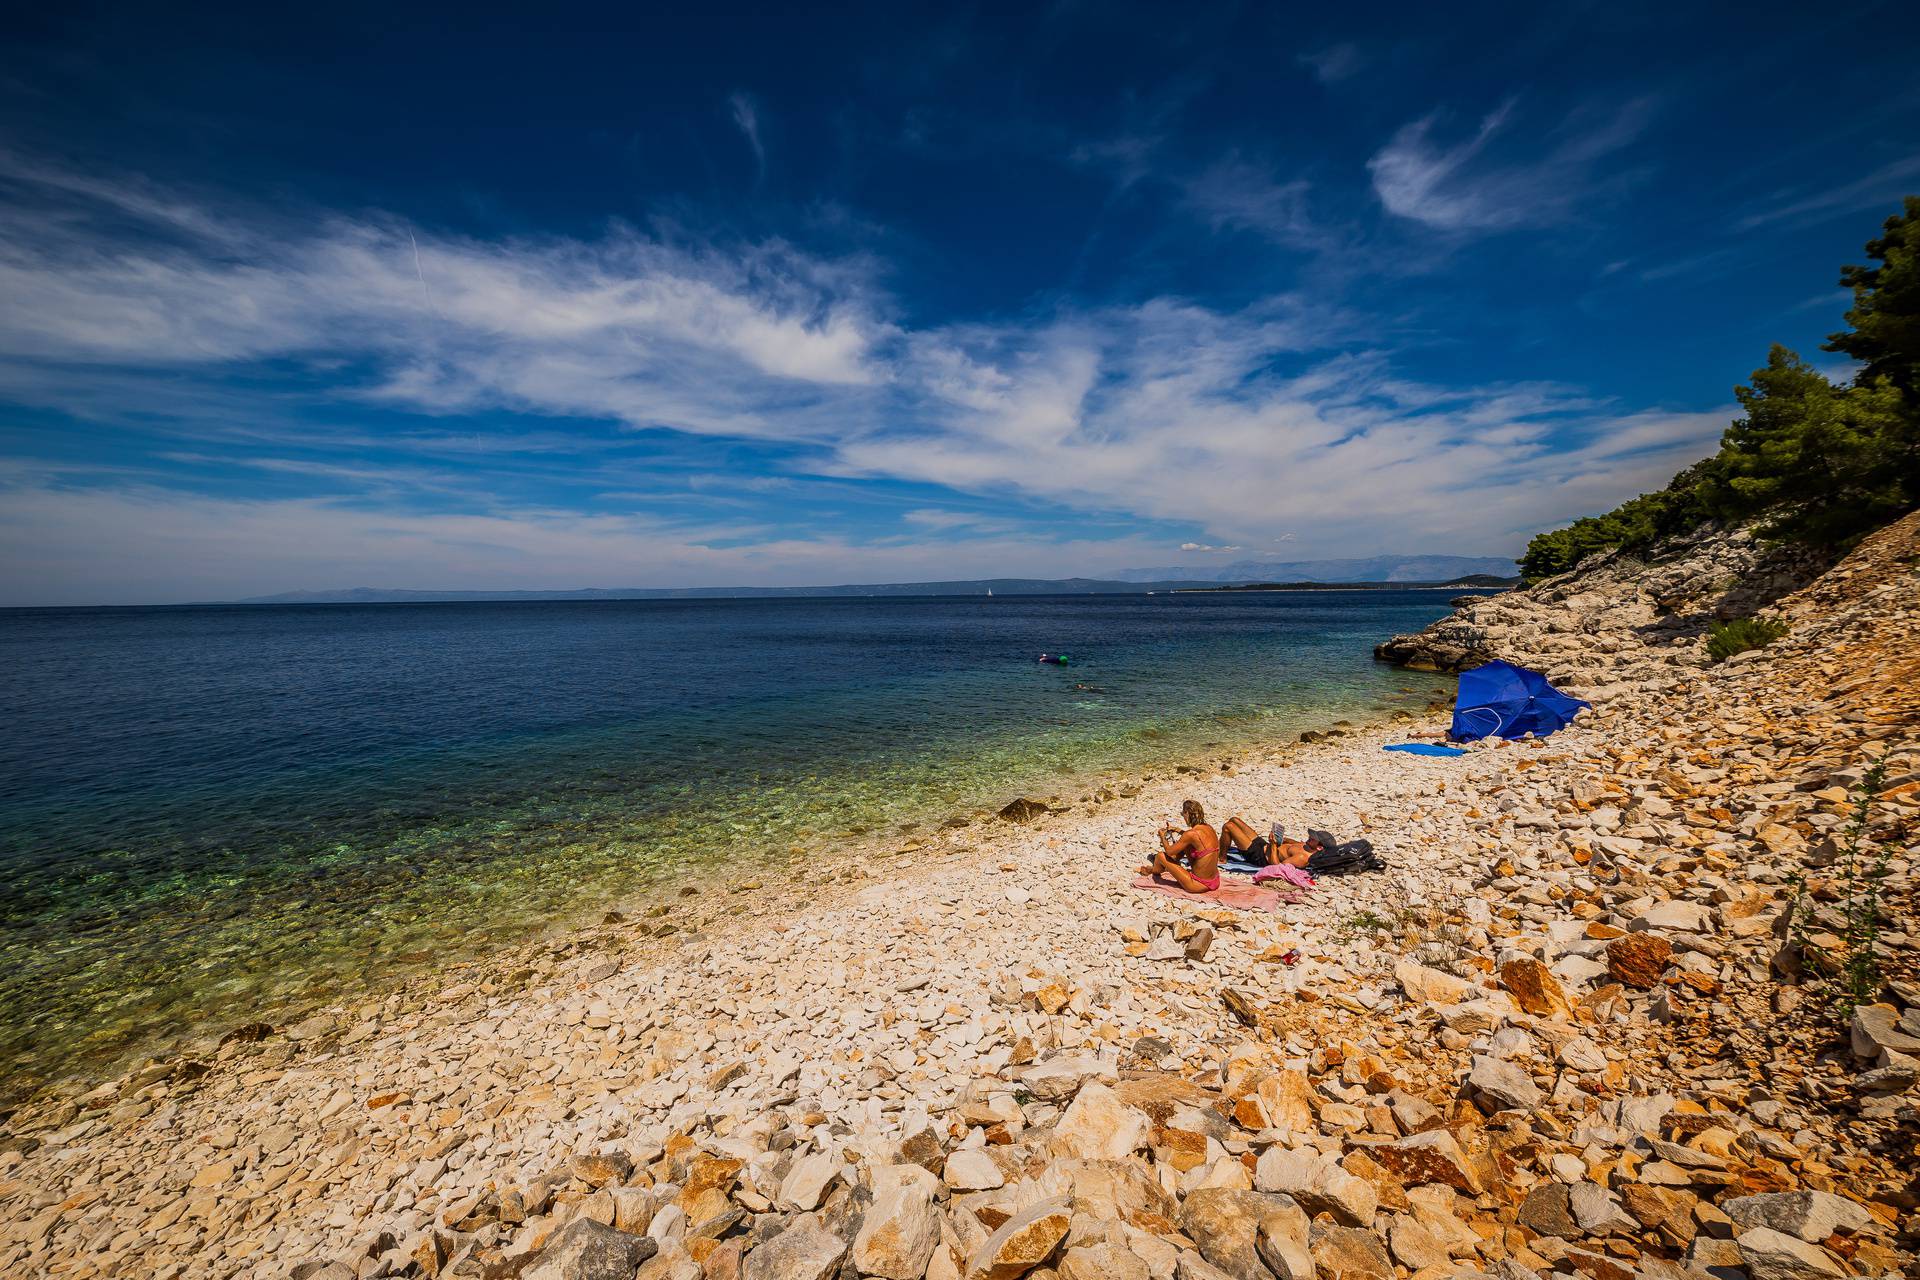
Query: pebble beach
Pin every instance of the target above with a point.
(1575, 1029)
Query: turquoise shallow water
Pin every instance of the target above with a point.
(209, 815)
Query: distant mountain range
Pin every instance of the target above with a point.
(964, 587)
(1402, 568)
(959, 587)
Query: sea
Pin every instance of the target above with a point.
(212, 815)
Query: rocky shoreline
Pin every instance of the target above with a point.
(1569, 1032)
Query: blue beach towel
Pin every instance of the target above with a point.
(1424, 749)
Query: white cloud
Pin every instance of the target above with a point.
(624, 327)
(1456, 188)
(746, 116)
(1175, 412)
(1201, 546)
(1234, 426)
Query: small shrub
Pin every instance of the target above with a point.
(1724, 639)
(1863, 870)
(1855, 974)
(1366, 922)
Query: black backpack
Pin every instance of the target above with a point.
(1351, 858)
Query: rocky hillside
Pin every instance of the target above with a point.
(1617, 616)
(1583, 1028)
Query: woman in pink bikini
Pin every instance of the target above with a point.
(1190, 858)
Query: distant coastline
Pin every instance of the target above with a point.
(960, 587)
(1483, 584)
(982, 587)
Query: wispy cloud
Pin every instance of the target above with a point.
(1240, 194)
(1201, 546)
(1461, 186)
(624, 327)
(746, 116)
(1884, 186)
(1708, 262)
(1129, 157)
(1334, 63)
(941, 518)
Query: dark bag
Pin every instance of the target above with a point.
(1351, 858)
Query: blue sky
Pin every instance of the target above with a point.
(718, 294)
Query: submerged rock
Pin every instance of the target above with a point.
(1024, 810)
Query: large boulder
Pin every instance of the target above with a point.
(589, 1250)
(806, 1183)
(1317, 1184)
(1431, 985)
(1809, 1215)
(1061, 1076)
(1283, 1242)
(1415, 1246)
(1189, 1265)
(972, 1169)
(1225, 1224)
(1877, 1034)
(1638, 959)
(1350, 1253)
(1533, 987)
(804, 1251)
(1098, 1126)
(1102, 1261)
(1775, 1255)
(901, 1227)
(1595, 1210)
(1506, 1086)
(1448, 650)
(1582, 1054)
(1668, 1212)
(1114, 1190)
(1432, 1156)
(1281, 1100)
(1023, 1241)
(1548, 1211)
(1673, 916)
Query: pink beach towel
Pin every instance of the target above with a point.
(1241, 897)
(1299, 877)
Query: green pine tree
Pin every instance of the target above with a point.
(1825, 464)
(1885, 315)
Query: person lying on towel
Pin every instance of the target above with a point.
(1237, 835)
(1190, 858)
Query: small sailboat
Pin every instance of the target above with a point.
(989, 590)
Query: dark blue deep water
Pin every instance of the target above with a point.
(214, 814)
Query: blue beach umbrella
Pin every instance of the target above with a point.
(1502, 699)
